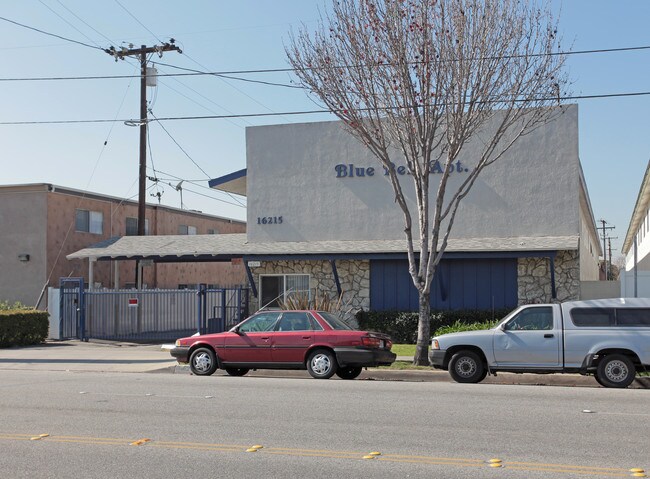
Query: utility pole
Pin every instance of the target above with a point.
(605, 228)
(609, 247)
(142, 53)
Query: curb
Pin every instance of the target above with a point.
(373, 374)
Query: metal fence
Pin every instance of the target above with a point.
(71, 307)
(159, 315)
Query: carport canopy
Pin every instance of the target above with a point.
(209, 248)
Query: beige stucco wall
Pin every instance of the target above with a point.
(589, 243)
(161, 222)
(23, 229)
(41, 223)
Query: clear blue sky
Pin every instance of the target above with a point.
(218, 35)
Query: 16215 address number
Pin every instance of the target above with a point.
(269, 220)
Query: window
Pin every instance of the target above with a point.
(260, 322)
(212, 231)
(186, 230)
(276, 288)
(595, 317)
(531, 319)
(333, 321)
(633, 317)
(89, 221)
(295, 322)
(132, 226)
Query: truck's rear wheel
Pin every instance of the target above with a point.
(467, 367)
(616, 371)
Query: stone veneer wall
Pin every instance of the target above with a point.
(534, 278)
(354, 276)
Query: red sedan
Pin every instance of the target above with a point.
(314, 340)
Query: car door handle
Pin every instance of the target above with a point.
(266, 338)
(306, 337)
(549, 335)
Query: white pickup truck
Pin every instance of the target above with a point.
(609, 338)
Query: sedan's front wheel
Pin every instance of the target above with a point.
(322, 364)
(203, 362)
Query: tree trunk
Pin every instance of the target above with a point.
(421, 357)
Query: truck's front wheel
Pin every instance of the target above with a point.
(467, 367)
(615, 371)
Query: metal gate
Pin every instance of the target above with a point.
(221, 309)
(71, 308)
(148, 315)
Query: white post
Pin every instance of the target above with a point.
(116, 265)
(636, 289)
(139, 285)
(91, 273)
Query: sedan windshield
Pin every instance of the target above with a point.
(333, 321)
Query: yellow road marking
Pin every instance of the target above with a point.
(541, 464)
(355, 455)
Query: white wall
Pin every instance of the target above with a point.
(627, 284)
(643, 247)
(53, 308)
(599, 289)
(291, 173)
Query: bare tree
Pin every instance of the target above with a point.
(416, 80)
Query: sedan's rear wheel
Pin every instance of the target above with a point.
(349, 372)
(616, 371)
(322, 364)
(203, 362)
(467, 367)
(237, 371)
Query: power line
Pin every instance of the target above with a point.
(225, 75)
(52, 34)
(202, 105)
(306, 112)
(233, 86)
(180, 147)
(200, 186)
(141, 24)
(84, 22)
(192, 72)
(66, 21)
(190, 158)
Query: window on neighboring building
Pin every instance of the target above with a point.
(89, 221)
(132, 226)
(277, 287)
(212, 231)
(186, 230)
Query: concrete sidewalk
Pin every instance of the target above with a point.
(87, 356)
(99, 357)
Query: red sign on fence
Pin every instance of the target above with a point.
(133, 302)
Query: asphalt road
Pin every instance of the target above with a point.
(201, 427)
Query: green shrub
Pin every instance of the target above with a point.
(459, 326)
(6, 306)
(22, 327)
(403, 326)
